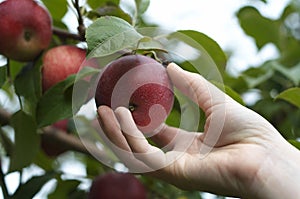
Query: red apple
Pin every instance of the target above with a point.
(60, 62)
(139, 83)
(117, 186)
(26, 29)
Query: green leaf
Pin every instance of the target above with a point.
(32, 186)
(262, 29)
(196, 52)
(173, 118)
(189, 111)
(3, 74)
(110, 34)
(290, 51)
(57, 12)
(255, 76)
(295, 143)
(6, 142)
(209, 46)
(26, 141)
(149, 44)
(43, 161)
(234, 95)
(142, 6)
(64, 188)
(28, 84)
(15, 68)
(86, 71)
(56, 104)
(291, 95)
(96, 3)
(292, 74)
(57, 23)
(109, 10)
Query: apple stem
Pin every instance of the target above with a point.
(131, 107)
(27, 35)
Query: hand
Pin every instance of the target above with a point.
(238, 154)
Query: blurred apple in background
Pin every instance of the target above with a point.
(60, 62)
(115, 185)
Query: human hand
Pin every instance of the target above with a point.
(234, 156)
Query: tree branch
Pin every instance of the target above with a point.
(68, 141)
(65, 34)
(71, 142)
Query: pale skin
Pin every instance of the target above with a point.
(244, 157)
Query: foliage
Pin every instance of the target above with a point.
(277, 81)
(112, 30)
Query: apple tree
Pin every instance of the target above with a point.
(49, 73)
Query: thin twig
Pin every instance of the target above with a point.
(65, 34)
(81, 27)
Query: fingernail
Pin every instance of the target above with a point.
(174, 66)
(101, 110)
(120, 111)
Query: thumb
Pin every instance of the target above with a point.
(196, 87)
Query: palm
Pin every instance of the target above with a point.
(189, 166)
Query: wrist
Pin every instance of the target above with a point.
(279, 174)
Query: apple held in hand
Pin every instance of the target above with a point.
(60, 62)
(139, 83)
(26, 29)
(117, 186)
